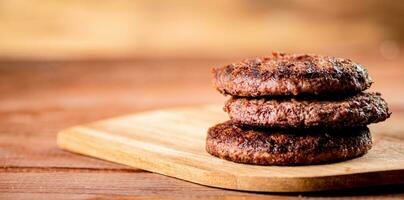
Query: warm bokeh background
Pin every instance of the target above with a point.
(180, 28)
(69, 62)
(183, 39)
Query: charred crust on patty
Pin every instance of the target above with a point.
(358, 110)
(286, 147)
(291, 75)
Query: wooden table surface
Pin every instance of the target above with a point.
(39, 98)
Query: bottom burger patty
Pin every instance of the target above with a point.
(265, 146)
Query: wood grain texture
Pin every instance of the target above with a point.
(172, 142)
(38, 98)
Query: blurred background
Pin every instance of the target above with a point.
(69, 62)
(77, 29)
(145, 54)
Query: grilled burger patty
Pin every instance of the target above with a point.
(291, 75)
(358, 110)
(286, 147)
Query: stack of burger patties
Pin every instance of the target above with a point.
(295, 109)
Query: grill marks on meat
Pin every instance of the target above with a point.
(284, 147)
(359, 110)
(291, 75)
(295, 109)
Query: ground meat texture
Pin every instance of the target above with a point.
(286, 147)
(291, 75)
(351, 111)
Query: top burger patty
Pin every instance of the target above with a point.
(292, 75)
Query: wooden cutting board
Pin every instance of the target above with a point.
(172, 142)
